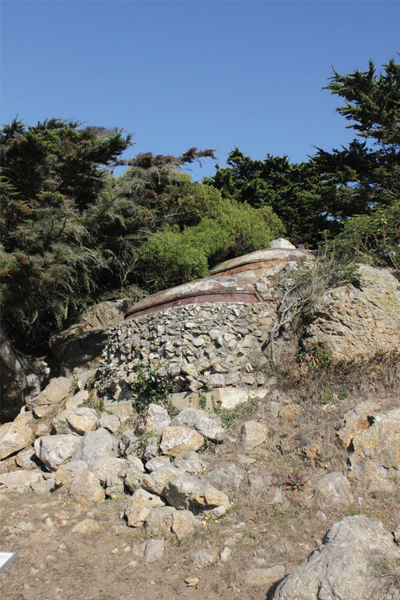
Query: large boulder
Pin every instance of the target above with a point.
(15, 436)
(199, 496)
(346, 566)
(96, 447)
(180, 439)
(208, 425)
(375, 453)
(333, 492)
(80, 345)
(53, 394)
(55, 450)
(356, 321)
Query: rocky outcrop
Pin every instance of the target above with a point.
(359, 320)
(345, 566)
(374, 453)
(80, 345)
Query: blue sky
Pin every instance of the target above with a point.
(187, 73)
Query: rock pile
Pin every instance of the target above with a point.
(193, 347)
(155, 468)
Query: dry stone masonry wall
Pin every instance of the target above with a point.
(205, 346)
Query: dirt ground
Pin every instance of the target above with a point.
(54, 563)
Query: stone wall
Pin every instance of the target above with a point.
(212, 345)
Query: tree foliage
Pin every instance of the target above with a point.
(70, 230)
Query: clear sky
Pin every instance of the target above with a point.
(193, 73)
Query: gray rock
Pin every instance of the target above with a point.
(333, 492)
(66, 473)
(154, 551)
(157, 482)
(204, 558)
(208, 425)
(156, 419)
(16, 435)
(226, 477)
(140, 506)
(375, 455)
(157, 463)
(55, 450)
(253, 434)
(190, 493)
(96, 445)
(85, 489)
(159, 521)
(359, 321)
(110, 422)
(19, 481)
(342, 568)
(180, 439)
(190, 462)
(52, 395)
(27, 460)
(260, 577)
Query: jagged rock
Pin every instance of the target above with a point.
(54, 450)
(19, 481)
(190, 493)
(140, 506)
(358, 321)
(357, 420)
(259, 577)
(77, 400)
(77, 421)
(111, 467)
(157, 481)
(87, 527)
(156, 463)
(208, 425)
(110, 422)
(85, 489)
(375, 455)
(184, 523)
(154, 551)
(259, 481)
(27, 460)
(342, 567)
(96, 446)
(180, 439)
(129, 443)
(226, 477)
(54, 393)
(333, 492)
(204, 558)
(156, 420)
(133, 480)
(190, 462)
(253, 434)
(79, 346)
(66, 473)
(16, 435)
(159, 521)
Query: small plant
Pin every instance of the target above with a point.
(74, 387)
(295, 482)
(326, 396)
(149, 387)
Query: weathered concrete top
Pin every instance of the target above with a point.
(210, 289)
(258, 263)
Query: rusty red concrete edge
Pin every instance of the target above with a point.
(196, 300)
(201, 287)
